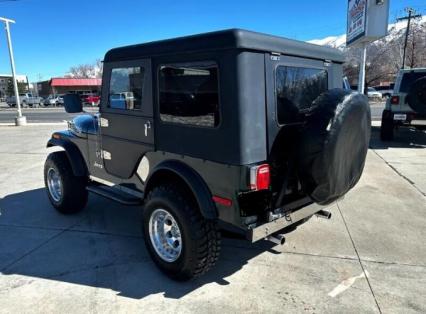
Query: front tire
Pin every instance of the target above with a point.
(66, 192)
(387, 127)
(180, 241)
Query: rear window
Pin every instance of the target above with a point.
(189, 94)
(408, 79)
(296, 89)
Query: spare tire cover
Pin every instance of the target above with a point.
(333, 145)
(417, 96)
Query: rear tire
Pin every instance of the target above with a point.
(66, 192)
(387, 128)
(198, 246)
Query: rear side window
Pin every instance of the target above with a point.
(296, 89)
(408, 79)
(189, 94)
(125, 89)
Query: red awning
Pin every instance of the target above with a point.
(75, 82)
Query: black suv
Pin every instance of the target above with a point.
(226, 130)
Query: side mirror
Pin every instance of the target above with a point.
(72, 103)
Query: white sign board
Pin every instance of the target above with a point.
(367, 21)
(357, 20)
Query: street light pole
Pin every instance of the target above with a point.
(20, 120)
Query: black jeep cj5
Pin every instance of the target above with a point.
(225, 130)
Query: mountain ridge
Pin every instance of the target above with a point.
(339, 41)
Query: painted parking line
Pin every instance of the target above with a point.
(346, 284)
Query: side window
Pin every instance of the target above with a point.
(296, 89)
(189, 94)
(125, 88)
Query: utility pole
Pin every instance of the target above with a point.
(411, 15)
(20, 119)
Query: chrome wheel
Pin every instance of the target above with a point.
(165, 235)
(54, 184)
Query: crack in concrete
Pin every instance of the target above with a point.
(359, 258)
(400, 174)
(224, 245)
(73, 230)
(95, 267)
(5, 268)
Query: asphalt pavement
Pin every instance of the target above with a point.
(58, 114)
(369, 258)
(39, 115)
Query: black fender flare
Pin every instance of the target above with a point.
(192, 179)
(77, 162)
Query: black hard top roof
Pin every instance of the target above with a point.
(225, 39)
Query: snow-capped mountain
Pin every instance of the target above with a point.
(340, 40)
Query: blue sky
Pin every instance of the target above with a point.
(52, 35)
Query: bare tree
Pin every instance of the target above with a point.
(86, 70)
(384, 57)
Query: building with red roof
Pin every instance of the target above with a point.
(66, 85)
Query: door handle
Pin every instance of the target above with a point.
(147, 126)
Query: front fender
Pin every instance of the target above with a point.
(192, 179)
(77, 162)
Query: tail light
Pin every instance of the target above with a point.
(394, 100)
(260, 177)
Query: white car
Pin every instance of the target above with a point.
(53, 100)
(372, 93)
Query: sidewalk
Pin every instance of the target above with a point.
(370, 257)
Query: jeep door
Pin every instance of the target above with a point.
(126, 116)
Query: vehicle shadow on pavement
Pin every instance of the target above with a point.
(404, 138)
(101, 247)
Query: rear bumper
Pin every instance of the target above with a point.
(404, 117)
(408, 117)
(289, 218)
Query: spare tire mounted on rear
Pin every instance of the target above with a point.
(417, 96)
(333, 145)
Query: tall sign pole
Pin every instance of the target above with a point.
(20, 120)
(367, 22)
(361, 78)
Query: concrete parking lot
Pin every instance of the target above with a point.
(370, 257)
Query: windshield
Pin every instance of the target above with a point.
(296, 89)
(408, 79)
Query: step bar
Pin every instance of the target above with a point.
(115, 194)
